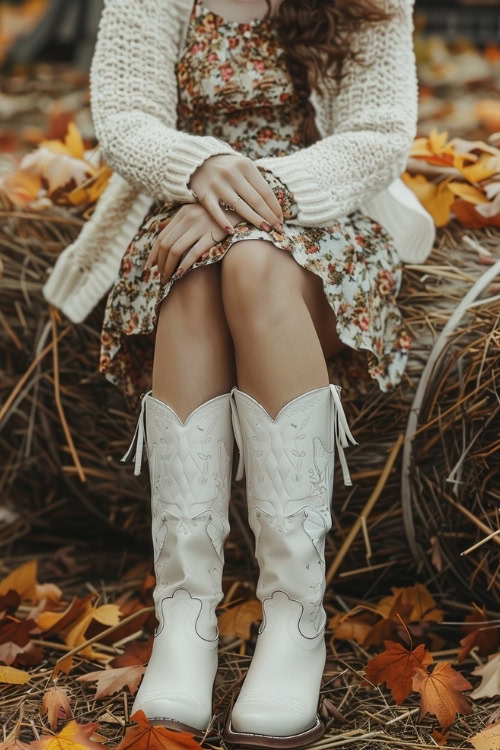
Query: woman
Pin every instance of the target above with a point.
(213, 108)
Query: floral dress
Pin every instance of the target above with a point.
(233, 84)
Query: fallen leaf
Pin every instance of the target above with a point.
(436, 199)
(396, 666)
(21, 579)
(147, 737)
(55, 704)
(390, 608)
(441, 693)
(237, 620)
(441, 739)
(13, 676)
(490, 679)
(73, 736)
(111, 681)
(423, 604)
(467, 192)
(354, 628)
(482, 636)
(13, 742)
(487, 739)
(467, 214)
(135, 652)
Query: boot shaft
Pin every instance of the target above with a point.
(289, 464)
(190, 473)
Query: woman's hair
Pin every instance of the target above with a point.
(317, 38)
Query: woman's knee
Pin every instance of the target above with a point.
(194, 302)
(254, 274)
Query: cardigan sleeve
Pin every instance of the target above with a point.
(133, 99)
(372, 126)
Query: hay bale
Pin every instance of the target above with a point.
(48, 449)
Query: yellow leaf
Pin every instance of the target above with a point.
(72, 144)
(437, 199)
(21, 579)
(488, 738)
(107, 614)
(485, 166)
(437, 140)
(468, 193)
(91, 190)
(13, 676)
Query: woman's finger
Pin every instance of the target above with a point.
(170, 256)
(211, 204)
(251, 206)
(174, 229)
(260, 184)
(198, 250)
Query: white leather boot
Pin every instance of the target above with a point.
(289, 466)
(190, 470)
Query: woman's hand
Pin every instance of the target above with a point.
(191, 229)
(236, 180)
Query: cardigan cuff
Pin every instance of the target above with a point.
(315, 204)
(187, 154)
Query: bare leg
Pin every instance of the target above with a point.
(194, 354)
(281, 323)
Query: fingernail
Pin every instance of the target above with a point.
(205, 255)
(178, 273)
(265, 226)
(229, 229)
(279, 227)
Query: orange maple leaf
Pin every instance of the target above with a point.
(147, 737)
(441, 693)
(396, 666)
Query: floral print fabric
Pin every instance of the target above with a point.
(233, 84)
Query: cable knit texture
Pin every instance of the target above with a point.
(366, 134)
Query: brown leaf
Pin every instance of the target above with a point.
(485, 638)
(354, 628)
(441, 693)
(237, 620)
(396, 666)
(55, 704)
(441, 739)
(12, 742)
(487, 739)
(111, 681)
(147, 737)
(135, 652)
(388, 608)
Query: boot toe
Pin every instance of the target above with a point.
(270, 715)
(184, 709)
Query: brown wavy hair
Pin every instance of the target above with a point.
(317, 36)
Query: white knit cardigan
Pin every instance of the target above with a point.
(366, 134)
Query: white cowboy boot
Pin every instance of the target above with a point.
(190, 470)
(289, 465)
